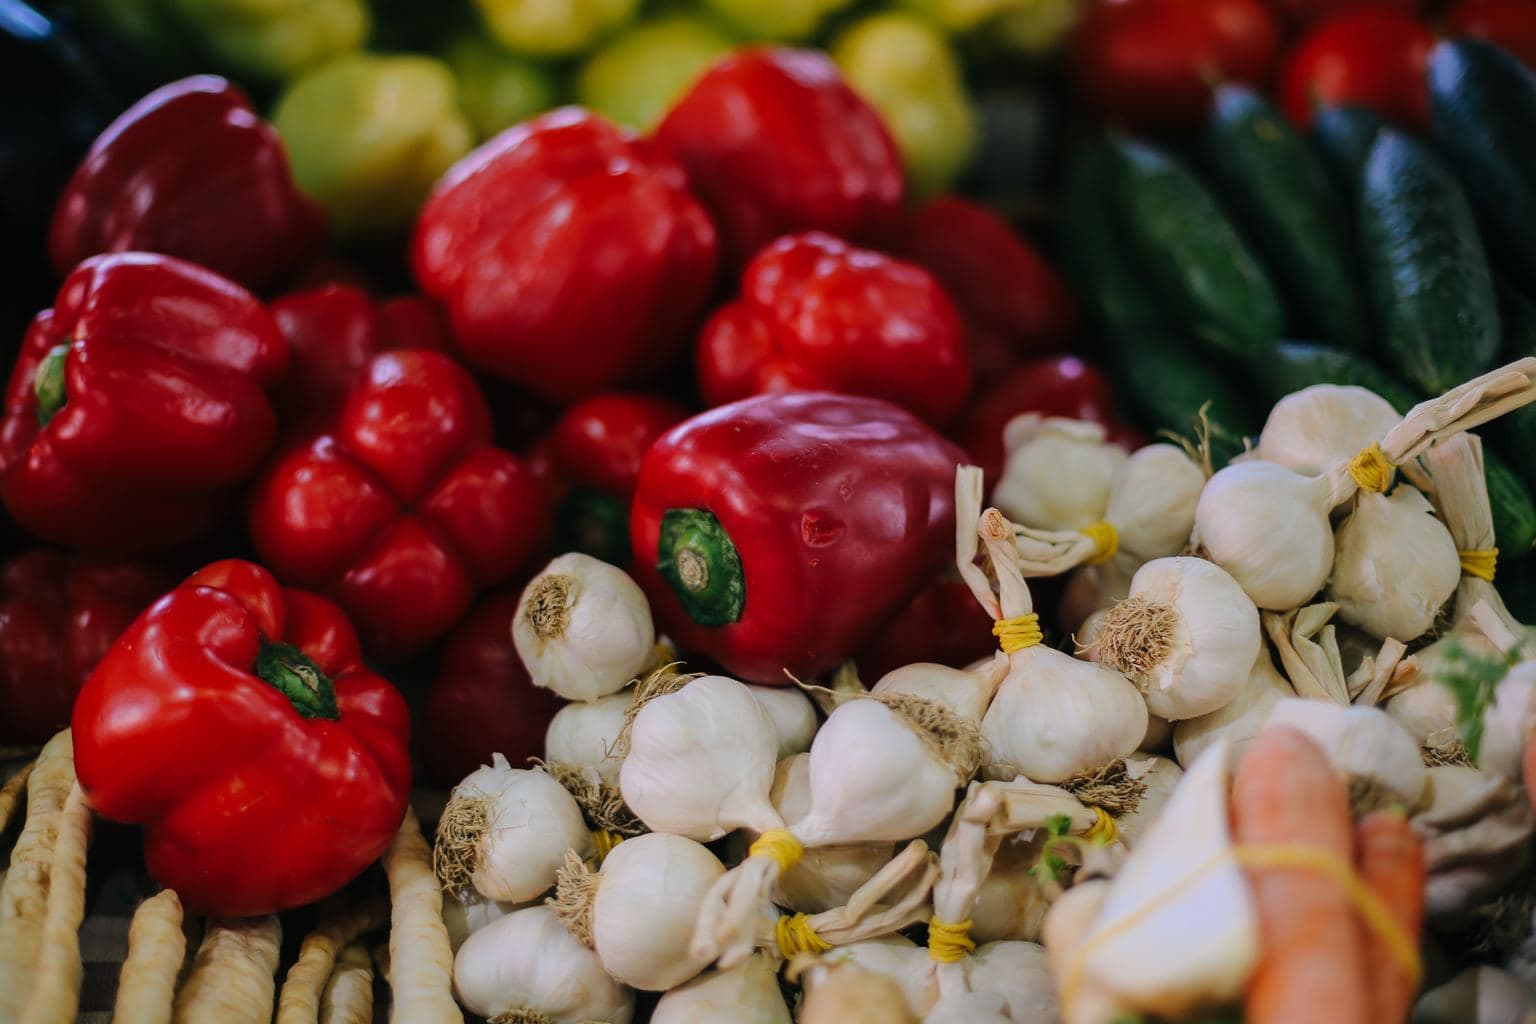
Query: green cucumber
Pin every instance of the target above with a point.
(1116, 297)
(1514, 511)
(1294, 365)
(1168, 385)
(1286, 205)
(1429, 282)
(1198, 264)
(1343, 137)
(1516, 583)
(1483, 116)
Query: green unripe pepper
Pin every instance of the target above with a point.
(908, 72)
(636, 77)
(274, 39)
(368, 135)
(496, 88)
(553, 28)
(785, 21)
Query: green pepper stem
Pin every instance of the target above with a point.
(299, 679)
(697, 557)
(48, 384)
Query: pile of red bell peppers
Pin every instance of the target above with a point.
(729, 357)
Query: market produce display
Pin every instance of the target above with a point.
(925, 512)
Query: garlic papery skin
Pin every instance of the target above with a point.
(1395, 565)
(792, 714)
(966, 692)
(1365, 745)
(894, 958)
(1509, 722)
(647, 898)
(1476, 831)
(1058, 472)
(466, 912)
(972, 1008)
(1240, 719)
(746, 994)
(505, 832)
(1160, 776)
(585, 734)
(1316, 428)
(1268, 527)
(1152, 503)
(1186, 636)
(701, 761)
(528, 962)
(1020, 973)
(583, 628)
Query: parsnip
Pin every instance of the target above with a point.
(232, 976)
(24, 896)
(55, 996)
(157, 947)
(348, 995)
(299, 1002)
(420, 957)
(10, 794)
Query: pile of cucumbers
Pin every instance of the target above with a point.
(1407, 265)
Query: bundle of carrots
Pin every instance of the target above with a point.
(1340, 902)
(231, 975)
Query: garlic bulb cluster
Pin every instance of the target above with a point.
(1365, 745)
(1316, 428)
(585, 734)
(505, 832)
(1058, 472)
(1240, 719)
(583, 628)
(528, 964)
(1186, 636)
(1395, 565)
(746, 994)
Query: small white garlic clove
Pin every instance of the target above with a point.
(746, 994)
(583, 628)
(1152, 502)
(528, 961)
(1395, 565)
(1240, 719)
(586, 734)
(893, 958)
(1268, 527)
(1316, 428)
(792, 713)
(466, 912)
(966, 692)
(648, 897)
(1058, 473)
(1020, 973)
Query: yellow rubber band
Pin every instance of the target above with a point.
(950, 941)
(1104, 830)
(605, 841)
(781, 845)
(1016, 634)
(1371, 470)
(795, 936)
(1481, 564)
(1378, 919)
(1106, 541)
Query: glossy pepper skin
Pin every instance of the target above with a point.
(138, 403)
(332, 332)
(59, 614)
(943, 625)
(569, 253)
(400, 509)
(782, 531)
(590, 462)
(191, 170)
(482, 701)
(817, 314)
(235, 721)
(776, 142)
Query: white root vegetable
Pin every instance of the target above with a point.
(745, 994)
(24, 895)
(304, 987)
(231, 981)
(11, 793)
(348, 997)
(585, 734)
(1058, 472)
(583, 628)
(1240, 720)
(420, 958)
(55, 995)
(157, 947)
(529, 964)
(1395, 565)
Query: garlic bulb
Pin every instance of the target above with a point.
(1476, 829)
(1066, 929)
(1152, 501)
(1011, 903)
(1395, 565)
(1160, 777)
(971, 1008)
(638, 912)
(1240, 719)
(841, 990)
(1020, 973)
(1058, 472)
(466, 912)
(1509, 723)
(583, 628)
(701, 761)
(746, 994)
(966, 692)
(1187, 637)
(505, 832)
(528, 963)
(1316, 428)
(893, 958)
(585, 734)
(1268, 527)
(792, 714)
(1375, 755)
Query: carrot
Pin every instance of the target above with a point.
(299, 1002)
(146, 986)
(24, 896)
(420, 957)
(55, 997)
(10, 794)
(1312, 966)
(232, 976)
(1392, 866)
(348, 995)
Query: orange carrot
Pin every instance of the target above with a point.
(1312, 964)
(1391, 858)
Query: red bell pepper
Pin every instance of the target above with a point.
(482, 701)
(235, 721)
(590, 463)
(775, 141)
(138, 404)
(1013, 302)
(191, 170)
(400, 509)
(817, 314)
(569, 253)
(782, 531)
(59, 614)
(334, 330)
(943, 624)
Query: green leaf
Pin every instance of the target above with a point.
(1472, 678)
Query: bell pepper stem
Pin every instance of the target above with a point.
(299, 679)
(48, 384)
(700, 562)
